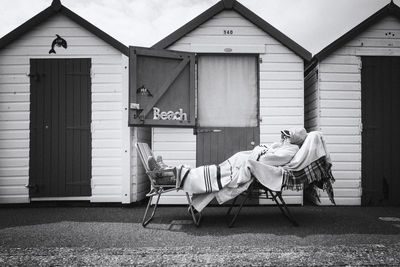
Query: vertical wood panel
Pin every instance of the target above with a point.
(69, 123)
(77, 153)
(47, 134)
(62, 126)
(53, 127)
(394, 157)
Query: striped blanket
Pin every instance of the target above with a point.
(213, 178)
(206, 179)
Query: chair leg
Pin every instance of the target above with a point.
(196, 220)
(144, 221)
(237, 213)
(283, 207)
(233, 204)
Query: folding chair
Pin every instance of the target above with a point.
(256, 190)
(160, 185)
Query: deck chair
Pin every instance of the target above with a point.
(160, 185)
(316, 173)
(257, 190)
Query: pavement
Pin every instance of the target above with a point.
(95, 235)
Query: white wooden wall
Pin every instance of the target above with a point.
(340, 104)
(110, 133)
(140, 183)
(281, 85)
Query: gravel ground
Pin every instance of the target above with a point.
(360, 255)
(113, 236)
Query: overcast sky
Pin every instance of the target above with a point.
(311, 23)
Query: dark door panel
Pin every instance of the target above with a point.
(60, 138)
(380, 117)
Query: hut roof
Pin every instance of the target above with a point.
(246, 13)
(55, 8)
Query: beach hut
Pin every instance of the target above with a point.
(239, 82)
(63, 113)
(352, 96)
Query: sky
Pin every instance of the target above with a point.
(313, 24)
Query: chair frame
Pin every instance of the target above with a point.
(144, 152)
(254, 191)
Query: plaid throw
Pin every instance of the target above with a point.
(318, 174)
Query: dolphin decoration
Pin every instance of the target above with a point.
(59, 41)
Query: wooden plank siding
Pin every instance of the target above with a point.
(108, 127)
(280, 80)
(339, 88)
(140, 182)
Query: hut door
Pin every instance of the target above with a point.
(60, 136)
(381, 130)
(227, 111)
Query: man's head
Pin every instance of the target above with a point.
(295, 136)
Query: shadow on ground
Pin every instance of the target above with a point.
(313, 220)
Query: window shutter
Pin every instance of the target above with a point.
(161, 88)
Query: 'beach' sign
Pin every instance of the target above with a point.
(169, 115)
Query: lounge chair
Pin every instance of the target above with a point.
(309, 168)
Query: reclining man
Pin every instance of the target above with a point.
(233, 176)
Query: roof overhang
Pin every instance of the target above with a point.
(389, 9)
(246, 13)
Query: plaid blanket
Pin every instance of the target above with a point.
(317, 174)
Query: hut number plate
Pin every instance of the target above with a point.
(228, 32)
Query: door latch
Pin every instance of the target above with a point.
(208, 131)
(34, 187)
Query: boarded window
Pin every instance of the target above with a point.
(227, 91)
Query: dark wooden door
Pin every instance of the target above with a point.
(381, 131)
(60, 136)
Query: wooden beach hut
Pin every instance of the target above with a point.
(63, 113)
(352, 96)
(244, 83)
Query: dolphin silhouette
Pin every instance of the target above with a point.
(59, 41)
